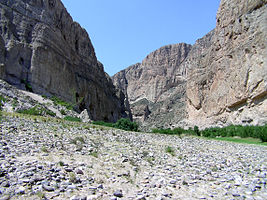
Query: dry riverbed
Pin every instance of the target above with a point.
(51, 159)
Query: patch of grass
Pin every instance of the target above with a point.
(58, 101)
(94, 154)
(73, 119)
(38, 111)
(242, 140)
(170, 150)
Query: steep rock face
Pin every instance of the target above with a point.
(146, 84)
(230, 84)
(153, 76)
(41, 46)
(220, 80)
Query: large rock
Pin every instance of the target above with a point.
(220, 80)
(41, 47)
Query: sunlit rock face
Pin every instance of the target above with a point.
(220, 80)
(40, 45)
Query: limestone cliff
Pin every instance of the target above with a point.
(41, 46)
(148, 85)
(220, 80)
(230, 84)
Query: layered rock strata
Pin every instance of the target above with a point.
(150, 85)
(44, 50)
(228, 83)
(220, 80)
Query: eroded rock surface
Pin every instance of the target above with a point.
(149, 85)
(43, 49)
(228, 84)
(220, 80)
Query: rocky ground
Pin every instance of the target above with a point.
(48, 158)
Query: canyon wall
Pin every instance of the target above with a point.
(220, 80)
(44, 50)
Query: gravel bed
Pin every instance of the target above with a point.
(49, 159)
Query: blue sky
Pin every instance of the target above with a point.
(124, 32)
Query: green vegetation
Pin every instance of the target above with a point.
(37, 110)
(2, 101)
(123, 123)
(170, 150)
(126, 124)
(176, 131)
(63, 112)
(259, 132)
(256, 132)
(101, 123)
(58, 101)
(241, 140)
(73, 119)
(94, 154)
(28, 86)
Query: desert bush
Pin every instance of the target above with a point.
(126, 124)
(123, 123)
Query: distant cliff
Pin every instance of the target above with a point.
(42, 47)
(220, 80)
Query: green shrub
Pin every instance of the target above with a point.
(73, 119)
(37, 110)
(259, 132)
(196, 130)
(170, 150)
(262, 133)
(58, 101)
(123, 123)
(175, 131)
(126, 124)
(2, 101)
(27, 84)
(62, 112)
